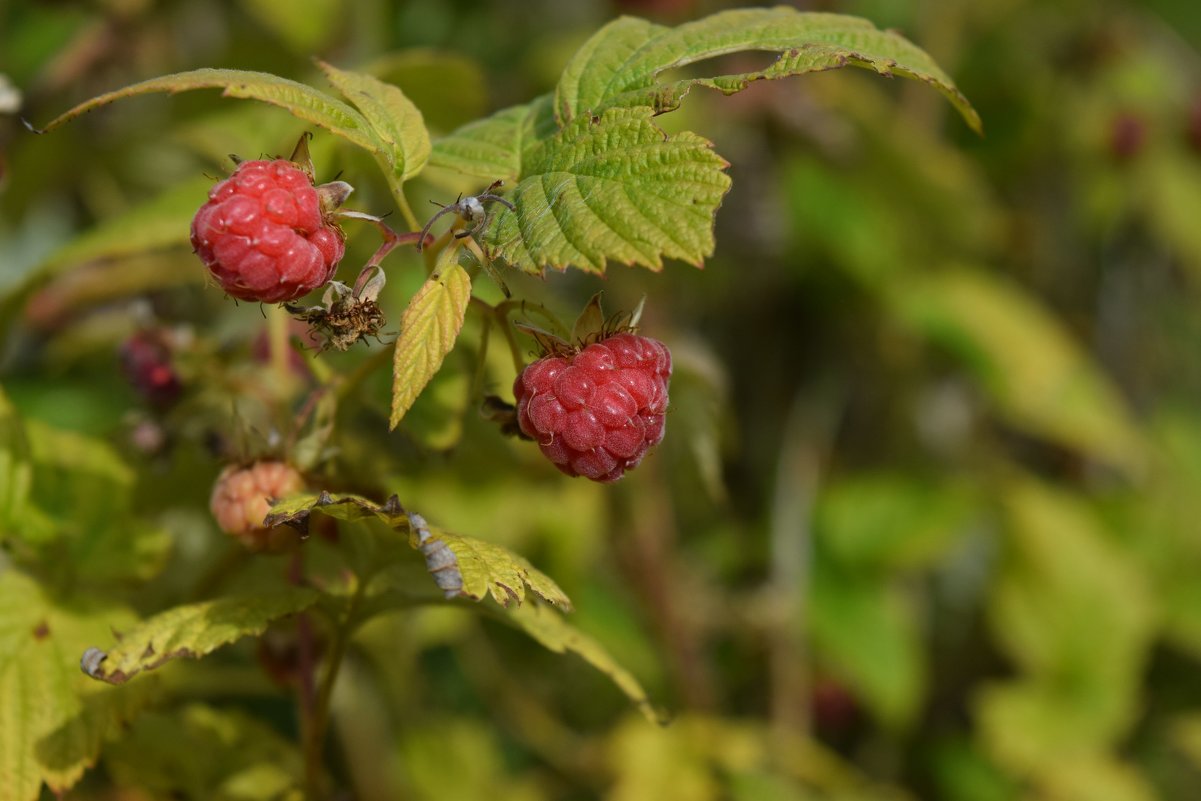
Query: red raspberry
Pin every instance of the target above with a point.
(263, 236)
(596, 412)
(241, 500)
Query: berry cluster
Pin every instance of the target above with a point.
(263, 233)
(594, 413)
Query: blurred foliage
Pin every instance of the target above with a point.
(924, 524)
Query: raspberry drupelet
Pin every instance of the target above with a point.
(264, 235)
(595, 413)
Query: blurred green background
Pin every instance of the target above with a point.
(927, 520)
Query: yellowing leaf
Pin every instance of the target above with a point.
(52, 719)
(300, 100)
(462, 566)
(396, 122)
(476, 568)
(621, 63)
(1035, 373)
(553, 632)
(616, 188)
(428, 330)
(192, 631)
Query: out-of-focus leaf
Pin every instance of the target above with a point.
(612, 188)
(1074, 612)
(160, 222)
(1169, 194)
(550, 629)
(1186, 734)
(459, 759)
(299, 99)
(77, 453)
(16, 475)
(659, 762)
(448, 87)
(52, 719)
(1036, 375)
(244, 759)
(428, 330)
(395, 121)
(889, 520)
(491, 149)
(864, 630)
(436, 417)
(192, 631)
(306, 26)
(619, 66)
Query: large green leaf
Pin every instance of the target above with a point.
(462, 566)
(52, 719)
(192, 631)
(428, 330)
(614, 187)
(299, 99)
(620, 65)
(1036, 375)
(395, 121)
(550, 629)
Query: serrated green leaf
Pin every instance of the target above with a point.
(619, 66)
(397, 123)
(52, 719)
(428, 330)
(475, 569)
(298, 99)
(193, 631)
(491, 149)
(1038, 378)
(556, 634)
(612, 188)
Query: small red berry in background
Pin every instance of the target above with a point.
(242, 498)
(146, 362)
(596, 412)
(264, 235)
(1127, 136)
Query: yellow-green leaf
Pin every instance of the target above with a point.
(553, 632)
(1037, 376)
(491, 149)
(396, 122)
(428, 330)
(52, 719)
(475, 568)
(192, 631)
(620, 65)
(461, 566)
(299, 99)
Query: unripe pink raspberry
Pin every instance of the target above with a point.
(242, 498)
(595, 412)
(264, 235)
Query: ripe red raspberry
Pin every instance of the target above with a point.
(595, 413)
(241, 500)
(263, 234)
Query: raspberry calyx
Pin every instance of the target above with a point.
(267, 234)
(596, 410)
